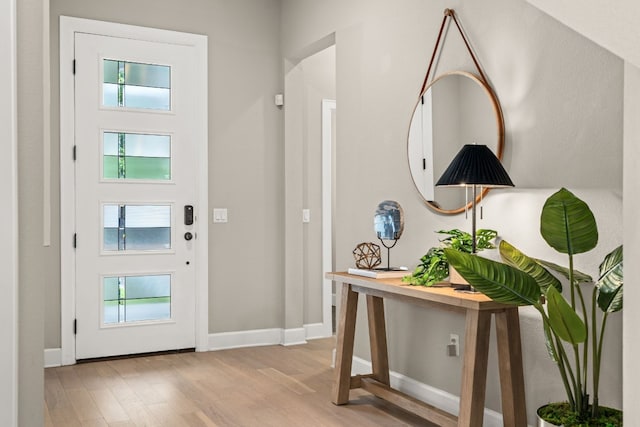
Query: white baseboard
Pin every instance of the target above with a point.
(239, 339)
(254, 338)
(260, 337)
(431, 395)
(317, 330)
(52, 357)
(294, 336)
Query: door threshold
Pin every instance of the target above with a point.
(136, 355)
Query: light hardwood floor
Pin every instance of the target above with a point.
(260, 386)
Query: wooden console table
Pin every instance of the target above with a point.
(478, 309)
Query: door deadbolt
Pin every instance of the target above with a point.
(188, 235)
(188, 215)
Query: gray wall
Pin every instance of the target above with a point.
(562, 98)
(35, 266)
(562, 101)
(245, 150)
(616, 30)
(631, 239)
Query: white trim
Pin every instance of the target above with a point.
(52, 357)
(67, 198)
(426, 393)
(316, 331)
(262, 337)
(9, 217)
(68, 27)
(229, 340)
(328, 107)
(294, 336)
(241, 339)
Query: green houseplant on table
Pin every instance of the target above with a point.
(434, 266)
(574, 334)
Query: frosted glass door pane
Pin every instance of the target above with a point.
(136, 298)
(148, 75)
(136, 85)
(136, 227)
(111, 233)
(136, 156)
(146, 97)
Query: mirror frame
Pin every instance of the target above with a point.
(497, 109)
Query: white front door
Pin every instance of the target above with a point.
(135, 189)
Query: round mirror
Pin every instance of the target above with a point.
(457, 108)
(388, 221)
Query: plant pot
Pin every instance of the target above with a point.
(608, 416)
(543, 423)
(455, 277)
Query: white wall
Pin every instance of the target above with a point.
(558, 133)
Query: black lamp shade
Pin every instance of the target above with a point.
(475, 165)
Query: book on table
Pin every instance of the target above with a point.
(380, 273)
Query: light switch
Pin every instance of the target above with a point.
(220, 215)
(306, 215)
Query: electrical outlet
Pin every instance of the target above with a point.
(453, 348)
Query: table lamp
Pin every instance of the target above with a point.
(475, 166)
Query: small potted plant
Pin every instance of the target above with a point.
(572, 331)
(434, 266)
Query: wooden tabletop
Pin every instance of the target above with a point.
(436, 294)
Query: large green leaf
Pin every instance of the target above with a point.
(567, 224)
(564, 321)
(498, 281)
(578, 276)
(610, 283)
(514, 257)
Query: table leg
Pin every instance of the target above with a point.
(474, 368)
(514, 409)
(344, 345)
(378, 339)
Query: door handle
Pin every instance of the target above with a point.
(188, 215)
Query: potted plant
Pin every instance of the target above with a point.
(572, 331)
(434, 266)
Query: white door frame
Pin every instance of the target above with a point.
(68, 27)
(9, 217)
(328, 108)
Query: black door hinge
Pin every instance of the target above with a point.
(74, 67)
(424, 164)
(74, 153)
(75, 326)
(75, 240)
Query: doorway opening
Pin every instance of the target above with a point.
(310, 119)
